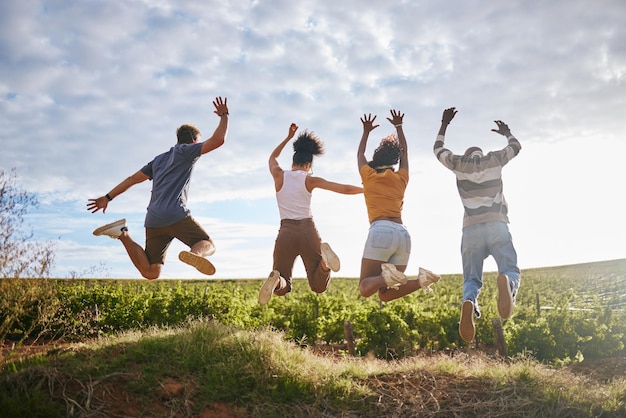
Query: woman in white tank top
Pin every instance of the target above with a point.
(297, 235)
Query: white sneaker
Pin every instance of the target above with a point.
(426, 278)
(330, 258)
(113, 230)
(393, 277)
(267, 290)
(466, 324)
(201, 264)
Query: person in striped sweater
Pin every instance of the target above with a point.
(485, 221)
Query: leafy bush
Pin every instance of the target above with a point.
(570, 325)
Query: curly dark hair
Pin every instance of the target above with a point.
(387, 153)
(305, 147)
(186, 134)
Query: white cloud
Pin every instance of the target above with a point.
(90, 92)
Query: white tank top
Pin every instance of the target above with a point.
(294, 200)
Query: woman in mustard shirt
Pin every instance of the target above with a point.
(388, 246)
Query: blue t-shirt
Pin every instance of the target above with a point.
(170, 173)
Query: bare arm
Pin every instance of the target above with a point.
(396, 120)
(275, 169)
(219, 136)
(318, 182)
(102, 202)
(368, 126)
(446, 118)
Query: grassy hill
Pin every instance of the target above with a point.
(208, 369)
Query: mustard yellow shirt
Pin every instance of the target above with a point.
(384, 192)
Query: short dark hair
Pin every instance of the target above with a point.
(187, 134)
(305, 147)
(387, 153)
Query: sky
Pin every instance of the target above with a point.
(91, 91)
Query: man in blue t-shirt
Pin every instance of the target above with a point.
(168, 216)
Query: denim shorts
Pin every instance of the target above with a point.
(389, 242)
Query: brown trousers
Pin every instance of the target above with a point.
(300, 238)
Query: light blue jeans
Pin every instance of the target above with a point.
(479, 242)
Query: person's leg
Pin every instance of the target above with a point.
(204, 248)
(473, 254)
(373, 282)
(371, 279)
(140, 258)
(189, 232)
(376, 252)
(467, 330)
(501, 247)
(317, 272)
(503, 251)
(387, 243)
(400, 259)
(286, 249)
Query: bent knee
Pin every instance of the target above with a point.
(153, 272)
(150, 276)
(319, 289)
(385, 295)
(364, 291)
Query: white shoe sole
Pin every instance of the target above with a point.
(201, 264)
(466, 324)
(267, 290)
(113, 225)
(505, 299)
(330, 258)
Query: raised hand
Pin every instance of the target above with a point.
(503, 128)
(221, 106)
(292, 130)
(368, 122)
(448, 115)
(396, 117)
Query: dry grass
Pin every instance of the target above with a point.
(208, 370)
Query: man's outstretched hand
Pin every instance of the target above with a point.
(448, 115)
(221, 106)
(503, 128)
(95, 205)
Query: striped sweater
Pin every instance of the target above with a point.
(479, 181)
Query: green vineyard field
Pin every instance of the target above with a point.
(562, 314)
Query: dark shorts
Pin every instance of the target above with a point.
(158, 240)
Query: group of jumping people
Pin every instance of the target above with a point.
(384, 181)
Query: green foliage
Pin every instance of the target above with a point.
(384, 333)
(26, 397)
(20, 256)
(567, 333)
(572, 322)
